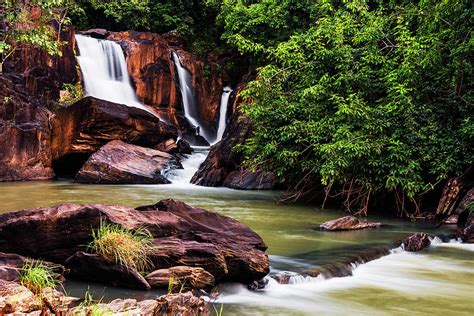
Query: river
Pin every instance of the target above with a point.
(436, 281)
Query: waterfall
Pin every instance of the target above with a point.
(223, 113)
(105, 72)
(182, 177)
(189, 101)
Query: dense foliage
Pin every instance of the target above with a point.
(28, 23)
(369, 96)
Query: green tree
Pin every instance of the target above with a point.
(368, 97)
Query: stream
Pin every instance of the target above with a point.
(436, 281)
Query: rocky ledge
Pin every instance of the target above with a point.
(182, 236)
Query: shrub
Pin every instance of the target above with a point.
(73, 93)
(127, 247)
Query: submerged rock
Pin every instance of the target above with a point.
(119, 162)
(187, 277)
(416, 242)
(183, 235)
(347, 223)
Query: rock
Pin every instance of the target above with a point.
(468, 234)
(45, 73)
(185, 304)
(347, 223)
(172, 147)
(15, 298)
(150, 64)
(94, 268)
(248, 180)
(96, 33)
(119, 162)
(82, 128)
(416, 242)
(25, 150)
(452, 219)
(184, 235)
(187, 277)
(222, 166)
(449, 196)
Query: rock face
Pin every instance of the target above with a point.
(44, 73)
(222, 166)
(151, 65)
(195, 278)
(248, 180)
(94, 268)
(416, 242)
(119, 162)
(347, 223)
(83, 127)
(25, 152)
(183, 235)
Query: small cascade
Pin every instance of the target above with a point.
(182, 177)
(105, 72)
(223, 113)
(189, 101)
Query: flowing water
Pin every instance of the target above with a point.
(437, 281)
(189, 100)
(227, 91)
(104, 71)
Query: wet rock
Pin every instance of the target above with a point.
(468, 234)
(94, 268)
(83, 127)
(185, 304)
(416, 242)
(25, 151)
(347, 223)
(183, 276)
(222, 166)
(249, 180)
(452, 219)
(96, 33)
(184, 235)
(175, 147)
(150, 64)
(119, 162)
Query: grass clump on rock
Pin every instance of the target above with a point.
(37, 276)
(124, 246)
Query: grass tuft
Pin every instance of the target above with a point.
(36, 276)
(130, 248)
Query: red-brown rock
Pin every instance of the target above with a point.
(183, 235)
(416, 242)
(118, 162)
(151, 66)
(182, 276)
(25, 152)
(83, 127)
(347, 223)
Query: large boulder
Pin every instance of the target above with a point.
(250, 180)
(347, 223)
(25, 152)
(119, 162)
(82, 128)
(183, 235)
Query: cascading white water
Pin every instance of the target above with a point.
(189, 102)
(105, 72)
(182, 177)
(223, 114)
